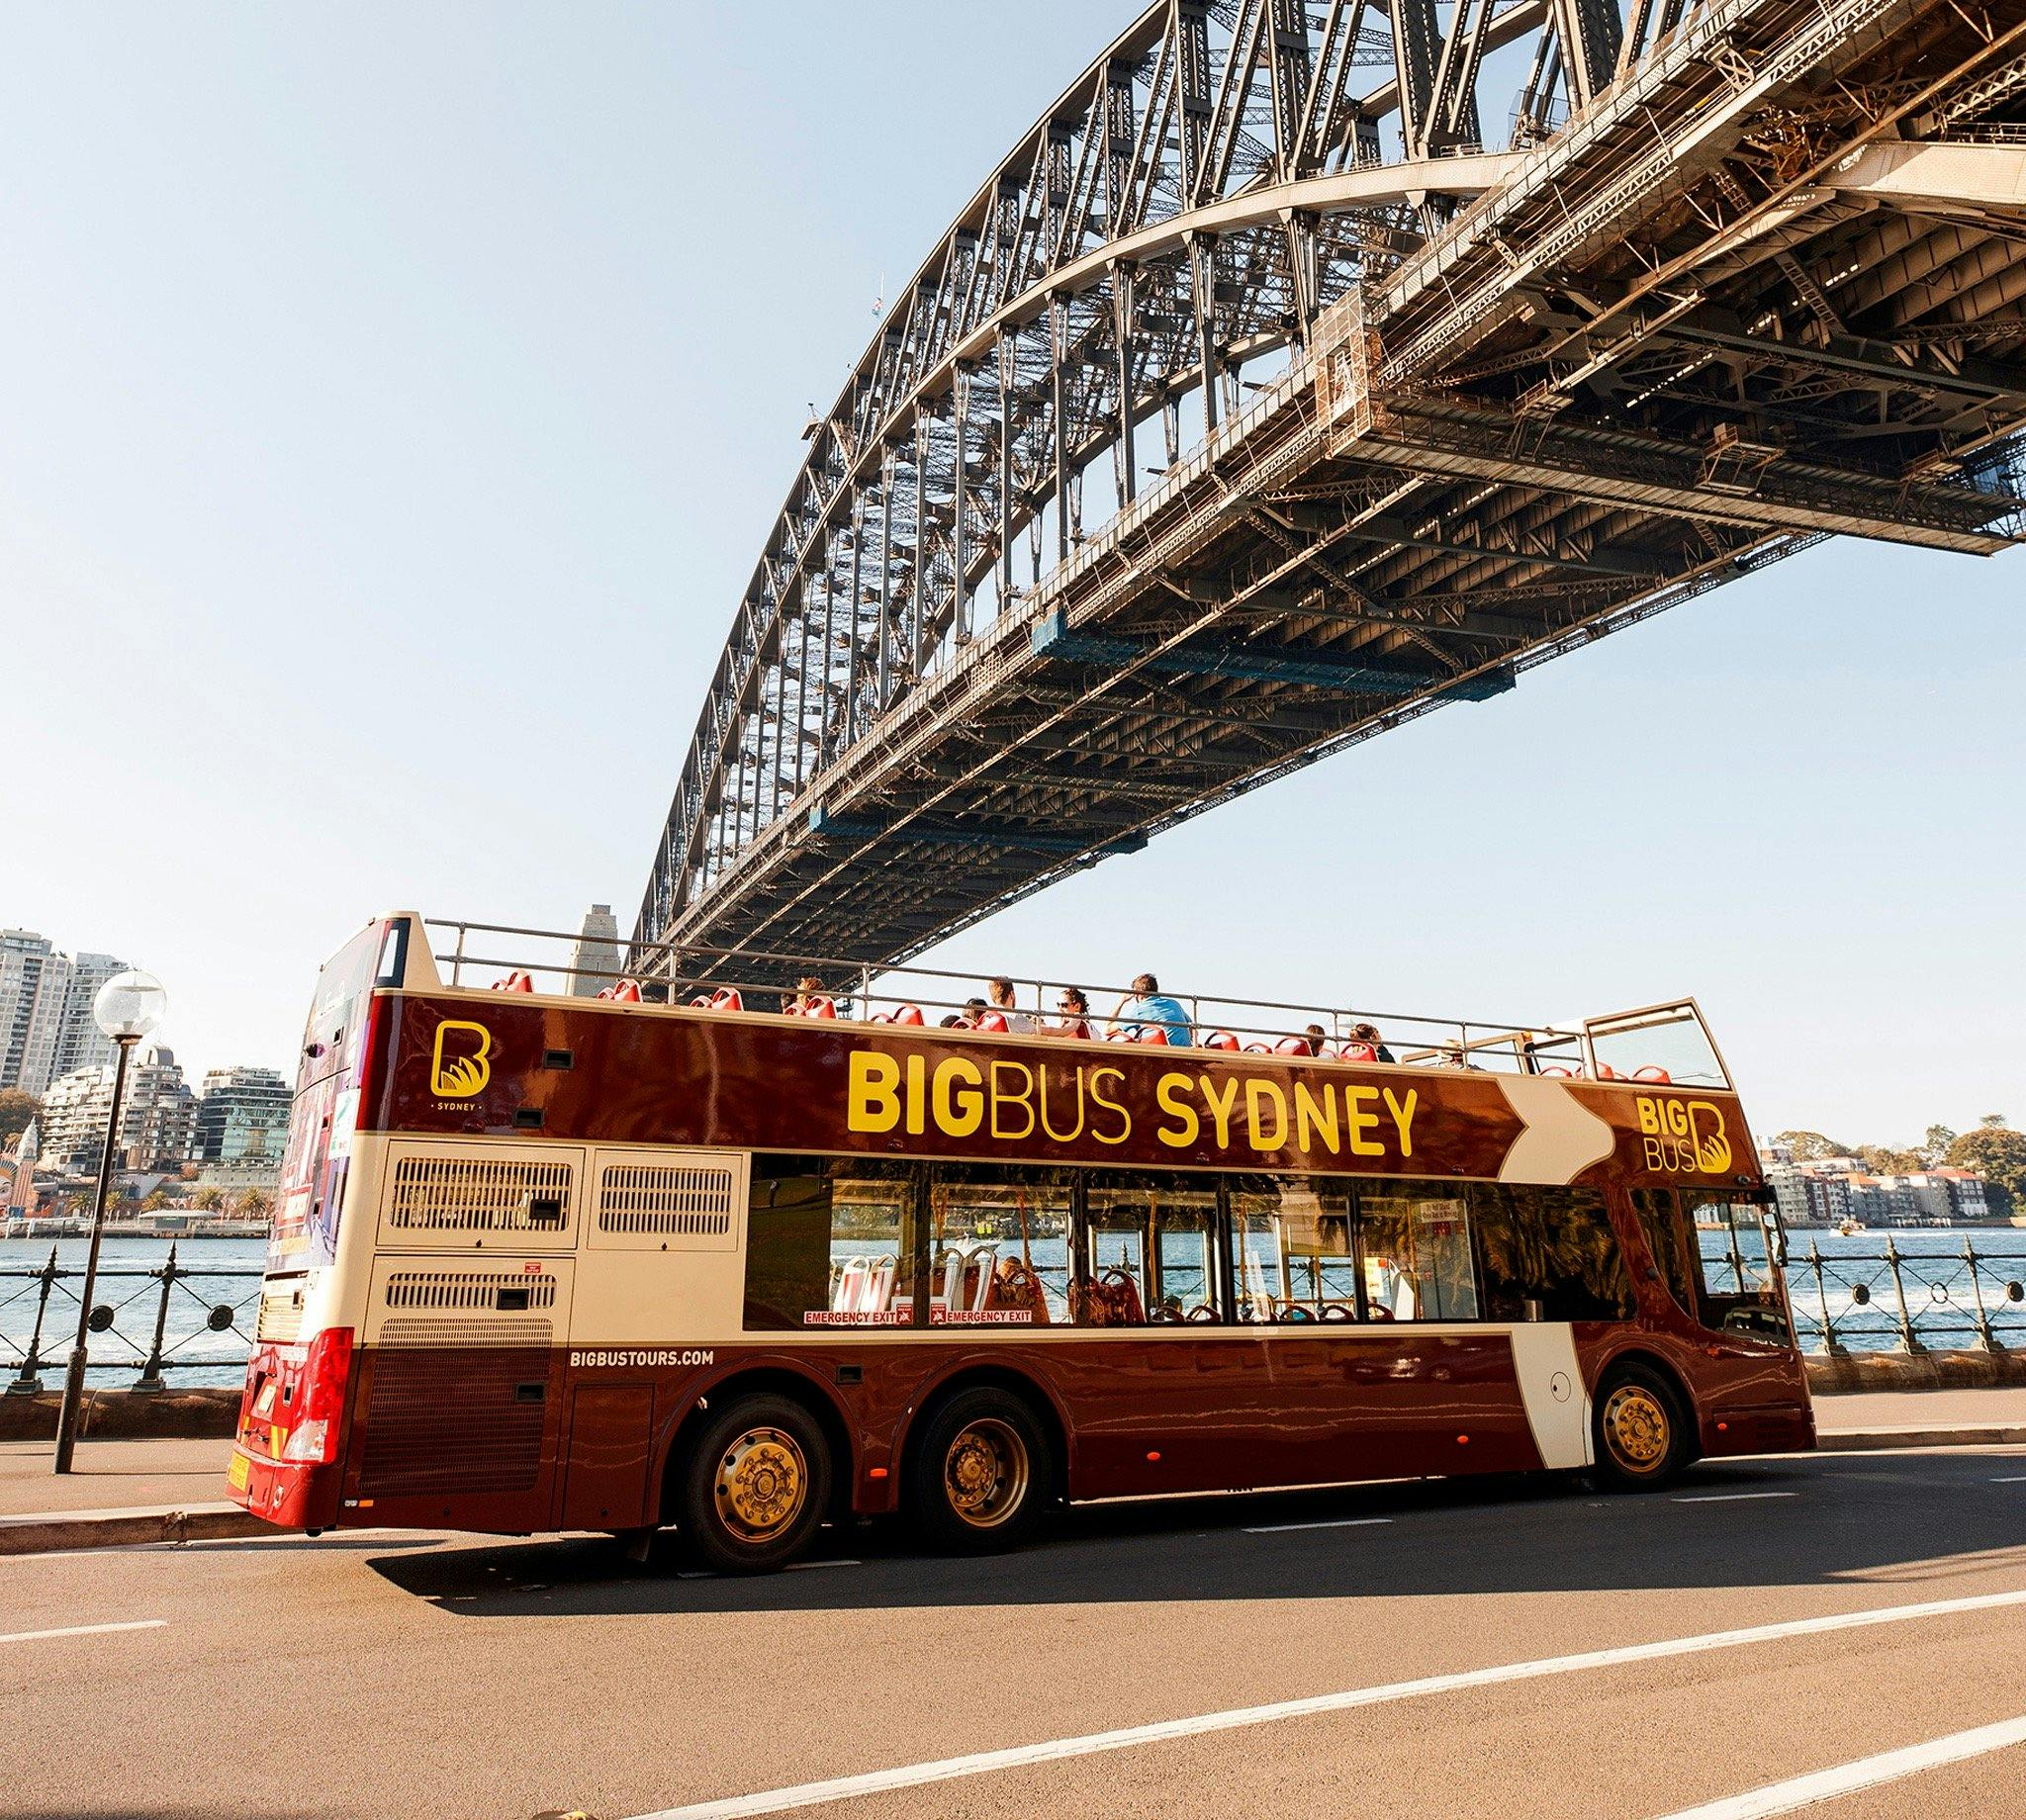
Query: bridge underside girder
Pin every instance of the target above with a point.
(1770, 287)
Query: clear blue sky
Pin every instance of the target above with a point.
(394, 400)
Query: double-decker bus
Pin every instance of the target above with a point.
(545, 1261)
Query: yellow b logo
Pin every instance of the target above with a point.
(1713, 1141)
(461, 1076)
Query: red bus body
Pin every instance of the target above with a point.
(428, 1360)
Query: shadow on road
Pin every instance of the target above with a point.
(1859, 1520)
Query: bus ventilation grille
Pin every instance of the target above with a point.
(441, 1422)
(493, 1291)
(475, 1194)
(281, 1316)
(682, 1201)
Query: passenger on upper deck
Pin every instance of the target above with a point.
(1368, 1035)
(1314, 1035)
(1075, 1010)
(1018, 1023)
(1147, 1006)
(972, 1014)
(808, 989)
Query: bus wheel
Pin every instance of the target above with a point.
(1641, 1438)
(980, 1474)
(755, 1487)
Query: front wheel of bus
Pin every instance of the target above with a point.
(755, 1487)
(981, 1476)
(1642, 1439)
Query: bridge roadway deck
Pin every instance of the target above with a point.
(377, 1674)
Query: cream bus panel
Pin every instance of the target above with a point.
(482, 1196)
(661, 1259)
(664, 1201)
(496, 1301)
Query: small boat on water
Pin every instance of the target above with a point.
(1849, 1228)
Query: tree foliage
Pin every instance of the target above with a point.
(16, 1110)
(1882, 1159)
(1812, 1146)
(1997, 1153)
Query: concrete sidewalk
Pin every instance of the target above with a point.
(123, 1493)
(118, 1493)
(1869, 1420)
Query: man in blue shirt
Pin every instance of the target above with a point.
(1150, 1008)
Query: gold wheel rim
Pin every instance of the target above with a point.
(985, 1473)
(763, 1481)
(1637, 1427)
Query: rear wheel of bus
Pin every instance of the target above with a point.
(754, 1488)
(981, 1476)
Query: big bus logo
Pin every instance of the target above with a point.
(1684, 1136)
(461, 1066)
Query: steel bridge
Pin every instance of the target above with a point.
(1256, 404)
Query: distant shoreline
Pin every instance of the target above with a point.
(39, 1230)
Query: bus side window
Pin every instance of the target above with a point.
(830, 1242)
(1660, 1219)
(1550, 1255)
(998, 1244)
(1291, 1249)
(1111, 1286)
(1149, 1251)
(1414, 1246)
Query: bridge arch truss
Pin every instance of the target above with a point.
(1253, 405)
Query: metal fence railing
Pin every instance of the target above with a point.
(145, 1319)
(1910, 1302)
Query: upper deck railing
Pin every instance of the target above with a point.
(1665, 1044)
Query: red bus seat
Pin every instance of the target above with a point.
(1358, 1051)
(516, 982)
(727, 998)
(1221, 1040)
(1292, 1045)
(1155, 1035)
(908, 1014)
(1659, 1077)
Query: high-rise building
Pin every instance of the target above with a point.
(241, 1117)
(46, 1029)
(32, 977)
(80, 1044)
(155, 1117)
(595, 957)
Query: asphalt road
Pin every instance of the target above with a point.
(407, 1675)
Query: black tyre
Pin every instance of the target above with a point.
(981, 1476)
(1644, 1436)
(755, 1487)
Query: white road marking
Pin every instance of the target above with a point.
(803, 1566)
(1866, 1772)
(1338, 1522)
(2011, 1478)
(83, 1630)
(1091, 1744)
(1732, 1497)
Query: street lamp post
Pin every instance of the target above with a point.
(128, 1007)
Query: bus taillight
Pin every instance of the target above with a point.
(320, 1392)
